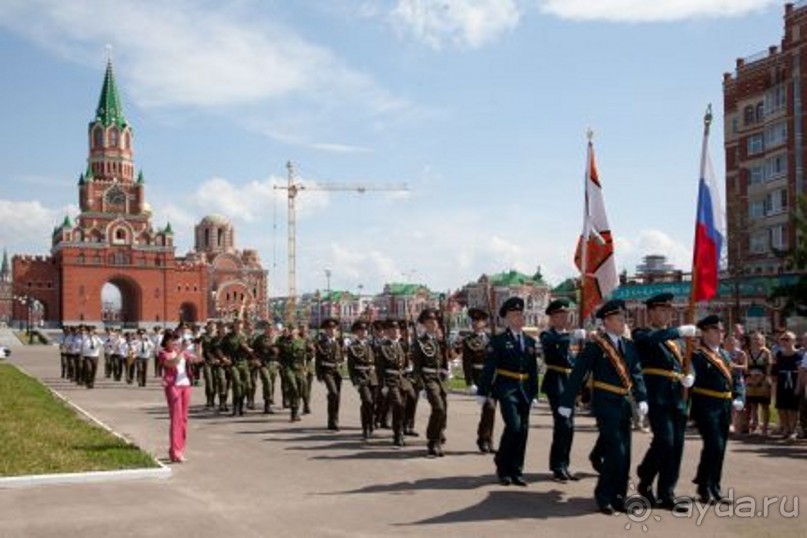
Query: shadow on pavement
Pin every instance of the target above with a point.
(515, 504)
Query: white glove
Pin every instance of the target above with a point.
(384, 390)
(642, 409)
(423, 394)
(738, 404)
(472, 390)
(579, 334)
(481, 400)
(565, 412)
(535, 402)
(687, 331)
(688, 380)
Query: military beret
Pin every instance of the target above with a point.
(711, 321)
(477, 314)
(328, 323)
(358, 325)
(614, 306)
(662, 299)
(427, 313)
(558, 305)
(510, 305)
(390, 323)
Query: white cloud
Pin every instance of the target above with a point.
(629, 251)
(197, 54)
(27, 223)
(462, 23)
(650, 10)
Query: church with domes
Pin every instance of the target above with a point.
(114, 244)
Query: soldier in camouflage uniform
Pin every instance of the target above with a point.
(206, 341)
(267, 354)
(292, 362)
(235, 347)
(412, 384)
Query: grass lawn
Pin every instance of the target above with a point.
(39, 434)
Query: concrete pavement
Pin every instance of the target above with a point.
(260, 475)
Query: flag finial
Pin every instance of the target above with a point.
(590, 134)
(707, 118)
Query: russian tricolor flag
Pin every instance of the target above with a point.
(710, 227)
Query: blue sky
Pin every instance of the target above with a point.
(480, 106)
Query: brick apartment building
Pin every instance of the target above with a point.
(765, 149)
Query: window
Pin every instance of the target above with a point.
(207, 237)
(756, 144)
(127, 140)
(756, 174)
(776, 134)
(756, 209)
(113, 137)
(759, 114)
(97, 137)
(775, 167)
(735, 125)
(220, 236)
(775, 99)
(81, 259)
(776, 202)
(779, 237)
(759, 243)
(748, 115)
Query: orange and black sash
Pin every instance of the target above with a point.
(717, 361)
(675, 350)
(616, 361)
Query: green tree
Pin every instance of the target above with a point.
(795, 295)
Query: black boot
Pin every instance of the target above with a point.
(267, 408)
(241, 407)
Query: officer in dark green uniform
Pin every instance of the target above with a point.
(412, 384)
(267, 354)
(510, 376)
(292, 361)
(614, 364)
(431, 367)
(206, 342)
(361, 368)
(381, 410)
(718, 387)
(662, 367)
(473, 361)
(558, 360)
(392, 363)
(310, 368)
(329, 360)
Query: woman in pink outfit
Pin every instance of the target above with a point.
(177, 382)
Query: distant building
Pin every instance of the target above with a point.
(489, 292)
(765, 149)
(113, 243)
(6, 290)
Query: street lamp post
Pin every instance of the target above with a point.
(328, 288)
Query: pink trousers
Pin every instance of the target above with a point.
(179, 399)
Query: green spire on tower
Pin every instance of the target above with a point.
(109, 109)
(88, 175)
(81, 179)
(140, 179)
(4, 270)
(67, 223)
(168, 230)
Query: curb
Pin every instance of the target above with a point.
(162, 471)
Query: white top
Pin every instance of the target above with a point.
(123, 347)
(91, 346)
(143, 348)
(182, 373)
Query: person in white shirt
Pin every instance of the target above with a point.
(126, 353)
(156, 339)
(91, 347)
(144, 350)
(108, 352)
(63, 350)
(74, 354)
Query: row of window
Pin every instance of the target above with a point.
(774, 101)
(120, 258)
(771, 169)
(774, 136)
(774, 237)
(112, 167)
(774, 203)
(113, 138)
(46, 285)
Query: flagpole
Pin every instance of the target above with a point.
(692, 306)
(584, 237)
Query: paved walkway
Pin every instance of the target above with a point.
(262, 476)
